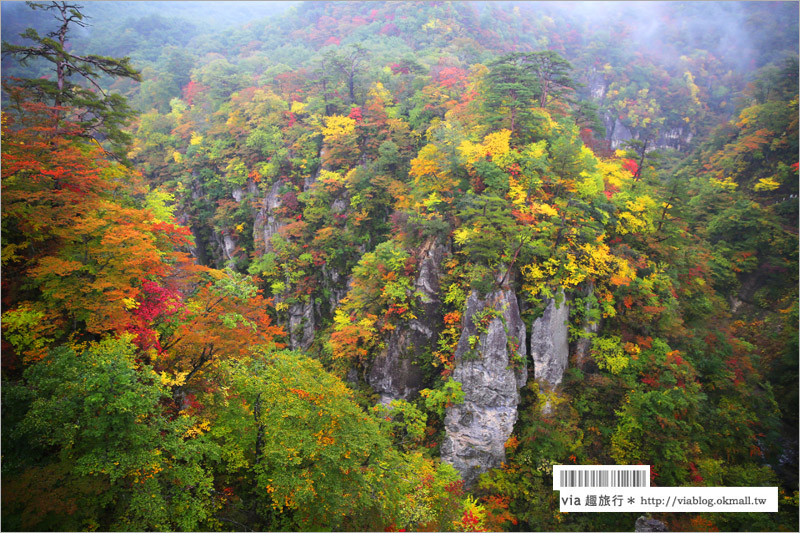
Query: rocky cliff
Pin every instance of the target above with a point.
(301, 324)
(395, 373)
(550, 348)
(267, 222)
(550, 344)
(490, 365)
(669, 138)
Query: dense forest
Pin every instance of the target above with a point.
(378, 266)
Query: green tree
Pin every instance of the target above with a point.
(310, 458)
(102, 115)
(87, 445)
(552, 72)
(511, 90)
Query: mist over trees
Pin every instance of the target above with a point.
(381, 265)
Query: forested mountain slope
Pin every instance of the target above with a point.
(380, 266)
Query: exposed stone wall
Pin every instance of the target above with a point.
(395, 372)
(266, 223)
(550, 345)
(490, 365)
(301, 324)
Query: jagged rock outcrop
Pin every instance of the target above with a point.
(490, 365)
(674, 138)
(301, 324)
(649, 524)
(550, 345)
(617, 133)
(336, 284)
(267, 223)
(394, 373)
(228, 243)
(597, 85)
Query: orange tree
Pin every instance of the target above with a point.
(75, 243)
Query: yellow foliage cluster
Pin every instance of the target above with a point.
(235, 120)
(592, 183)
(429, 162)
(331, 178)
(517, 192)
(726, 184)
(338, 126)
(543, 209)
(380, 93)
(496, 144)
(197, 429)
(638, 217)
(173, 381)
(766, 184)
(298, 108)
(586, 261)
(430, 171)
(612, 171)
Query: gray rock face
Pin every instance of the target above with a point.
(301, 325)
(227, 243)
(429, 273)
(597, 85)
(478, 428)
(675, 138)
(337, 284)
(394, 373)
(266, 222)
(649, 524)
(340, 204)
(617, 133)
(550, 345)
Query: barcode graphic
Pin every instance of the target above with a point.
(603, 478)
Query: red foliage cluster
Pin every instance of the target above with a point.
(390, 29)
(160, 304)
(470, 522)
(497, 513)
(456, 487)
(192, 90)
(696, 477)
(289, 203)
(451, 76)
(630, 165)
(355, 114)
(396, 68)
